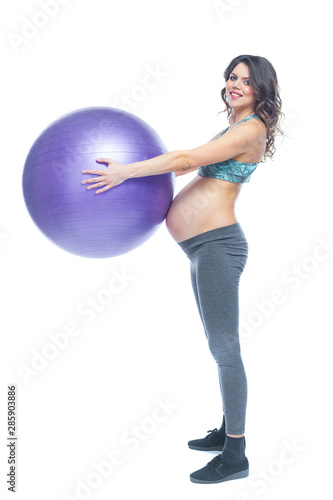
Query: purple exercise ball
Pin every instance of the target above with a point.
(79, 221)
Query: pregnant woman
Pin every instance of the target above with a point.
(213, 239)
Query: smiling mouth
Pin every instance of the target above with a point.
(234, 94)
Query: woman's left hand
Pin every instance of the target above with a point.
(110, 177)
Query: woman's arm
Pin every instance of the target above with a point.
(190, 170)
(174, 161)
(236, 141)
(116, 173)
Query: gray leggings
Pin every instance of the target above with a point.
(218, 258)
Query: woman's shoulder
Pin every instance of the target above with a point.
(256, 123)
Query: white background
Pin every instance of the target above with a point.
(147, 345)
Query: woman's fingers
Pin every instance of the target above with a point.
(109, 176)
(92, 179)
(96, 172)
(103, 160)
(104, 189)
(97, 185)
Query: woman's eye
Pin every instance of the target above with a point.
(247, 82)
(232, 78)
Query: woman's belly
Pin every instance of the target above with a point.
(204, 204)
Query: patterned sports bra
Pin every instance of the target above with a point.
(230, 170)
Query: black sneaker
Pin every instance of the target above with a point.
(218, 471)
(214, 441)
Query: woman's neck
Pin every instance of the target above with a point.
(239, 115)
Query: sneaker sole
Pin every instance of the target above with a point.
(238, 475)
(206, 448)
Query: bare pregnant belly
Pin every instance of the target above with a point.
(204, 204)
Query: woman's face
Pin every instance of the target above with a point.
(239, 92)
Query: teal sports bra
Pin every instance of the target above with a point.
(230, 170)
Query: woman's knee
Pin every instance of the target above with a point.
(225, 351)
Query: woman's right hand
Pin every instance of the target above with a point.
(112, 176)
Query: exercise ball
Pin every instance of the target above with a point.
(77, 220)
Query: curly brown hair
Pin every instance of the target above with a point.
(265, 87)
